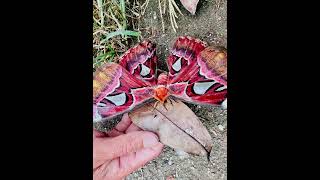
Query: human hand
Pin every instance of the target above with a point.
(123, 150)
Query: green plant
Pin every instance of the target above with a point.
(113, 28)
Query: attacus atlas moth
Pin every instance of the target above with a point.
(197, 73)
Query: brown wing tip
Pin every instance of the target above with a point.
(102, 76)
(216, 59)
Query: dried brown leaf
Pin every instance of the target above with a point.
(176, 125)
(190, 5)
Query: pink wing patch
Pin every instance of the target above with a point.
(185, 50)
(116, 91)
(204, 81)
(141, 61)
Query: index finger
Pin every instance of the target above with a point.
(110, 148)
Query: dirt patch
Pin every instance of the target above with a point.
(210, 25)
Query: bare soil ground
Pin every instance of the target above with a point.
(210, 25)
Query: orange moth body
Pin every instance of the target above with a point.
(161, 94)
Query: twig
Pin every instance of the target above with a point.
(162, 23)
(175, 5)
(144, 4)
(114, 18)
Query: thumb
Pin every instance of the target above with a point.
(110, 148)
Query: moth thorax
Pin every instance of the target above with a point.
(161, 93)
(163, 79)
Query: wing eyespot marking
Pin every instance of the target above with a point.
(221, 88)
(201, 88)
(101, 104)
(177, 65)
(145, 70)
(117, 99)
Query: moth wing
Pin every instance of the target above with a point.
(116, 91)
(204, 81)
(141, 61)
(184, 52)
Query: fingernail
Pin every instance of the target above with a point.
(150, 140)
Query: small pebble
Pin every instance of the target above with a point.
(213, 132)
(182, 154)
(154, 15)
(220, 127)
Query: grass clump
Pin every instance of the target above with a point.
(115, 27)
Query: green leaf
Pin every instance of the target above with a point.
(122, 33)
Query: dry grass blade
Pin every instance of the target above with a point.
(144, 6)
(100, 6)
(175, 5)
(172, 7)
(115, 19)
(172, 16)
(161, 17)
